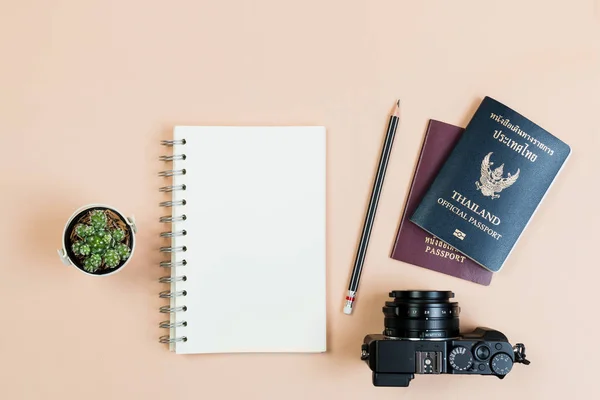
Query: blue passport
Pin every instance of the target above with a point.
(491, 184)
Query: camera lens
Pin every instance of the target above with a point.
(416, 314)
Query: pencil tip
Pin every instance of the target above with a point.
(397, 109)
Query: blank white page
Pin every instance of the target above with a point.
(255, 207)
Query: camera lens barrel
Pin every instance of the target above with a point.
(417, 314)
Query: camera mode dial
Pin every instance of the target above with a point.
(501, 364)
(460, 358)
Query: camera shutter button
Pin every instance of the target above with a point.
(482, 352)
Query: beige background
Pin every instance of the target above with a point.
(88, 88)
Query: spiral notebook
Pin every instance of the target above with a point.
(245, 232)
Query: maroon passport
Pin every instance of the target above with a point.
(413, 244)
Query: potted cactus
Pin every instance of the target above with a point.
(98, 240)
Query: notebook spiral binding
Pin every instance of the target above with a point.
(170, 264)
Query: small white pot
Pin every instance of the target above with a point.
(66, 255)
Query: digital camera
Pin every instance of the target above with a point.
(422, 336)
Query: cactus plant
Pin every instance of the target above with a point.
(99, 241)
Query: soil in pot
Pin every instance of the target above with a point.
(99, 241)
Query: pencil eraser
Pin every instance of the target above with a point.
(347, 309)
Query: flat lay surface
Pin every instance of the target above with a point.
(89, 89)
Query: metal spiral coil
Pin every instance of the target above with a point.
(171, 188)
(171, 143)
(169, 219)
(170, 325)
(173, 203)
(172, 172)
(170, 264)
(171, 310)
(177, 249)
(173, 234)
(166, 339)
(166, 294)
(175, 157)
(171, 279)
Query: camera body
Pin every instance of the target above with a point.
(394, 361)
(422, 336)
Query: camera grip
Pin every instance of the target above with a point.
(394, 380)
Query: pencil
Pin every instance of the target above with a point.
(372, 209)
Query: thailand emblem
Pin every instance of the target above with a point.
(491, 181)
